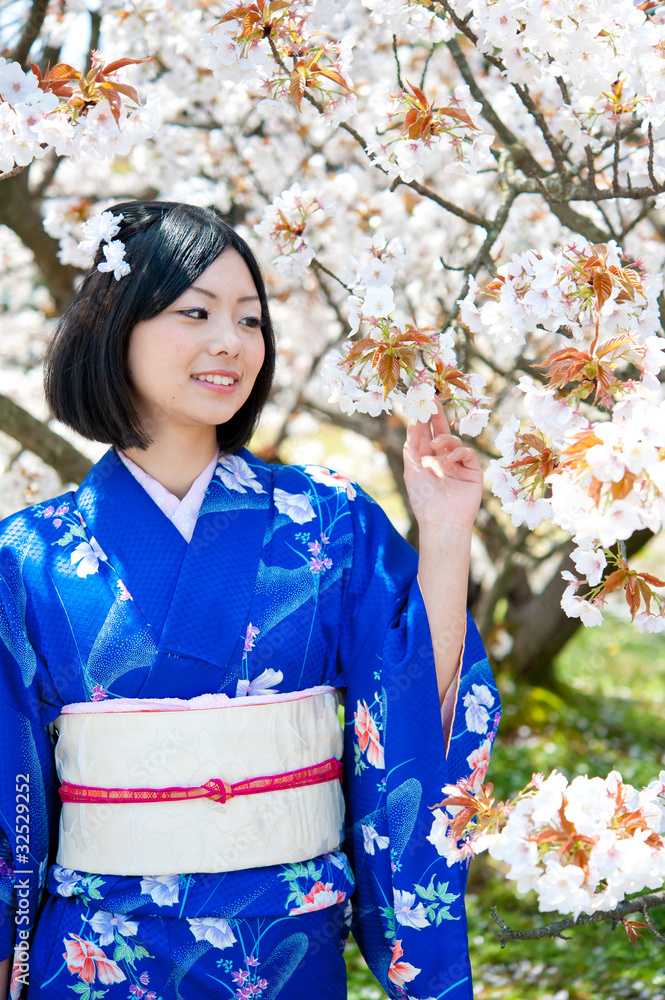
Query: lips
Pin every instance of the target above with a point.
(216, 378)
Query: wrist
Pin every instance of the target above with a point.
(445, 530)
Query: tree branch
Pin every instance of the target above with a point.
(489, 114)
(19, 211)
(426, 192)
(639, 905)
(70, 464)
(30, 31)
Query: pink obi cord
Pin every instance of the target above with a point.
(215, 789)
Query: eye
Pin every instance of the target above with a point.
(253, 322)
(202, 313)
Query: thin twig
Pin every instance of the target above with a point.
(615, 163)
(318, 266)
(563, 87)
(400, 83)
(652, 927)
(426, 67)
(652, 176)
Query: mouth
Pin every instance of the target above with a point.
(210, 378)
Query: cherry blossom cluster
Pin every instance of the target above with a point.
(582, 845)
(95, 116)
(591, 454)
(284, 222)
(579, 290)
(396, 361)
(410, 19)
(285, 49)
(609, 57)
(445, 137)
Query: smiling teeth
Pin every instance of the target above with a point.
(215, 379)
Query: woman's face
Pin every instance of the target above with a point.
(194, 364)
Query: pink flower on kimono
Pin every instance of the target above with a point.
(17, 981)
(49, 511)
(318, 898)
(400, 972)
(250, 960)
(124, 594)
(215, 930)
(240, 977)
(98, 693)
(87, 960)
(334, 479)
(62, 509)
(478, 760)
(314, 548)
(137, 991)
(87, 555)
(144, 978)
(320, 565)
(250, 635)
(368, 736)
(57, 522)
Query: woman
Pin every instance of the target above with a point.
(180, 625)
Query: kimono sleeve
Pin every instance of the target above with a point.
(28, 785)
(409, 917)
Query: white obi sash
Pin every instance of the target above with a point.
(197, 750)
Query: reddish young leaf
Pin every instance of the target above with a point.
(388, 372)
(113, 67)
(602, 286)
(615, 581)
(331, 74)
(633, 597)
(631, 929)
(422, 100)
(460, 116)
(297, 88)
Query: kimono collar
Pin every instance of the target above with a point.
(196, 596)
(182, 513)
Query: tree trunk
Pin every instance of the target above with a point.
(70, 464)
(19, 211)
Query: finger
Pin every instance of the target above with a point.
(419, 439)
(438, 421)
(444, 442)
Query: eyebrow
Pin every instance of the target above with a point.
(211, 295)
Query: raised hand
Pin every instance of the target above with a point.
(442, 475)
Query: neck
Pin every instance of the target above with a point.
(177, 460)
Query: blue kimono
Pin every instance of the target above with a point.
(293, 578)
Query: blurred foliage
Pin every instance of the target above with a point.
(610, 713)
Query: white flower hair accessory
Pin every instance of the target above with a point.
(102, 228)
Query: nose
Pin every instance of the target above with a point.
(224, 339)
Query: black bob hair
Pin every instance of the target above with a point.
(86, 378)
